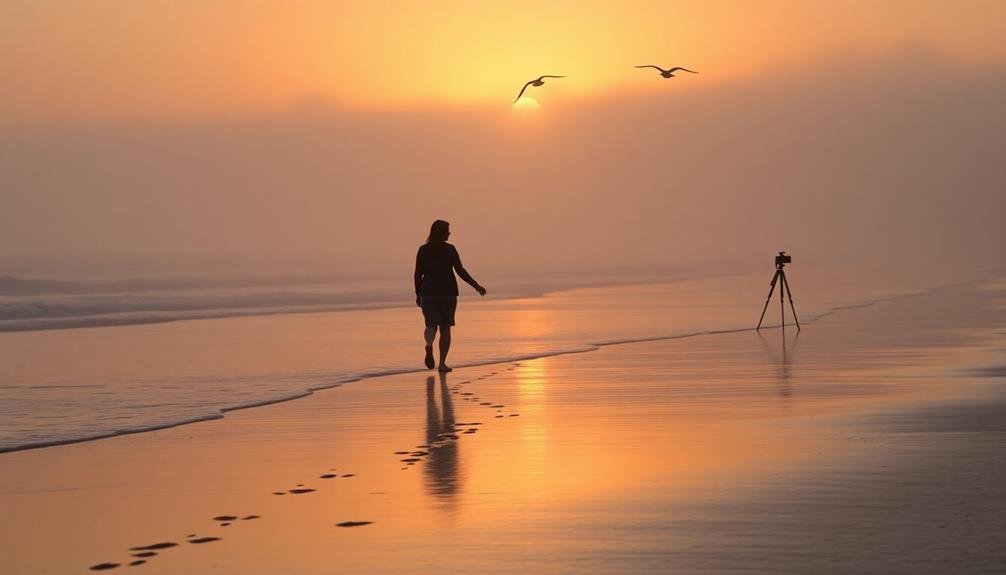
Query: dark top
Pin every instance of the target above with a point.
(435, 267)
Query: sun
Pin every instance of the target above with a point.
(526, 104)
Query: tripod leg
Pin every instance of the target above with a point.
(775, 278)
(789, 293)
(782, 300)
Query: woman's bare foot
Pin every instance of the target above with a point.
(444, 369)
(429, 357)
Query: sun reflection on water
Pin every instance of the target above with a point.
(532, 389)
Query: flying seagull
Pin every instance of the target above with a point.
(539, 82)
(668, 73)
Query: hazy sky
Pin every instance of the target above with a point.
(336, 131)
(123, 58)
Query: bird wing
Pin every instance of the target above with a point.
(522, 91)
(676, 68)
(652, 66)
(543, 77)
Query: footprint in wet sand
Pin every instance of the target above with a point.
(200, 540)
(154, 546)
(142, 552)
(301, 490)
(328, 476)
(353, 523)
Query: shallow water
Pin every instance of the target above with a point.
(71, 384)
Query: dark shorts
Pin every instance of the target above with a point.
(439, 310)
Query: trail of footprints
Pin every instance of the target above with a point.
(420, 452)
(141, 554)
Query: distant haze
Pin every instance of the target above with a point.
(894, 157)
(101, 60)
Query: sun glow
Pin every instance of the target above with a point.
(526, 104)
(232, 65)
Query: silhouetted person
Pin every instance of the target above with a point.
(437, 289)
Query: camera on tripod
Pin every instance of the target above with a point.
(780, 278)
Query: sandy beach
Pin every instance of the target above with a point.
(872, 442)
(235, 235)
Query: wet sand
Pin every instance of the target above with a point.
(872, 442)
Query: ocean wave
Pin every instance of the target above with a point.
(16, 286)
(84, 310)
(59, 307)
(148, 317)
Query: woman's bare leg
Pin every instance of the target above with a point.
(429, 334)
(445, 346)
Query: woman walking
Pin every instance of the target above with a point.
(437, 289)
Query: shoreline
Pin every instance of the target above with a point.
(588, 347)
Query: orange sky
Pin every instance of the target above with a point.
(65, 59)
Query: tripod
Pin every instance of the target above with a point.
(780, 274)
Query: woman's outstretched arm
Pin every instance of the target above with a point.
(463, 273)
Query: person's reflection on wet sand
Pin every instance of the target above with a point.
(441, 469)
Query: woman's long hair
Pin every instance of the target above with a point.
(438, 233)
